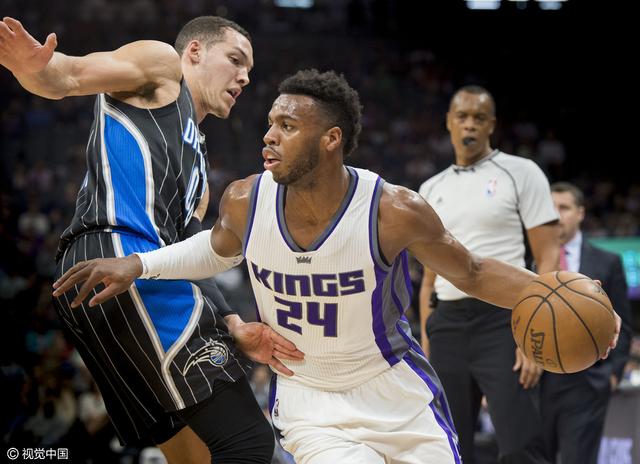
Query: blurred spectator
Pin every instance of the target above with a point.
(551, 155)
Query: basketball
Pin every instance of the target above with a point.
(563, 322)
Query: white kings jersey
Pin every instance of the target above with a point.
(338, 301)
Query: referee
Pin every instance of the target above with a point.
(486, 199)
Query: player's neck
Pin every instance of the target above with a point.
(320, 195)
(196, 95)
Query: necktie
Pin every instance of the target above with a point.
(563, 259)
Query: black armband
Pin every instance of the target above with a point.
(210, 289)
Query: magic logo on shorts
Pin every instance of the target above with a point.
(215, 353)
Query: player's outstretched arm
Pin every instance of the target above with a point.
(203, 255)
(136, 67)
(408, 222)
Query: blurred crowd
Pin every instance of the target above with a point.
(50, 398)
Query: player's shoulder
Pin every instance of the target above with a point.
(156, 48)
(400, 202)
(157, 59)
(403, 217)
(240, 190)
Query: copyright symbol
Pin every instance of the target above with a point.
(13, 453)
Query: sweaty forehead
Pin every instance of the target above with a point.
(293, 106)
(470, 102)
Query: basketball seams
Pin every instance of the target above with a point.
(554, 291)
(566, 285)
(555, 335)
(609, 311)
(535, 311)
(526, 298)
(556, 275)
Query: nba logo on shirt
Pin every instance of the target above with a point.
(492, 185)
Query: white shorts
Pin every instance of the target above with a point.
(388, 419)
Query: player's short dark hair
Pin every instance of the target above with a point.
(206, 29)
(339, 101)
(563, 187)
(476, 90)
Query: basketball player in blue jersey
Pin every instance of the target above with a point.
(326, 246)
(162, 353)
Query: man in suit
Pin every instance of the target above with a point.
(573, 406)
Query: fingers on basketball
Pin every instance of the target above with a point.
(563, 322)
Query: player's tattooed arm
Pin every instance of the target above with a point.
(406, 221)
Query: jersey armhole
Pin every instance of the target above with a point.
(251, 213)
(374, 241)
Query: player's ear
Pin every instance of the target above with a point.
(332, 138)
(194, 51)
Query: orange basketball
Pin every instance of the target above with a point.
(563, 322)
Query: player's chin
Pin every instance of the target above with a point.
(222, 111)
(223, 114)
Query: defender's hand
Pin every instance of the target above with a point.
(20, 52)
(529, 372)
(117, 275)
(261, 343)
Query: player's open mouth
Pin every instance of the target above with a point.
(271, 159)
(466, 141)
(235, 93)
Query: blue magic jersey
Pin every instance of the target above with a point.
(338, 301)
(146, 171)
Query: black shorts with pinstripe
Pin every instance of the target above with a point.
(153, 350)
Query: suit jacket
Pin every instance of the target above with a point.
(606, 267)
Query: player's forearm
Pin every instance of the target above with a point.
(54, 81)
(496, 282)
(191, 259)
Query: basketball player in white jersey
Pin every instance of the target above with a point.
(326, 247)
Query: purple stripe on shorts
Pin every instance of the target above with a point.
(441, 422)
(418, 349)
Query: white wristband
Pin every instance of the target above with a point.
(191, 259)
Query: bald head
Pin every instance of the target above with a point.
(484, 97)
